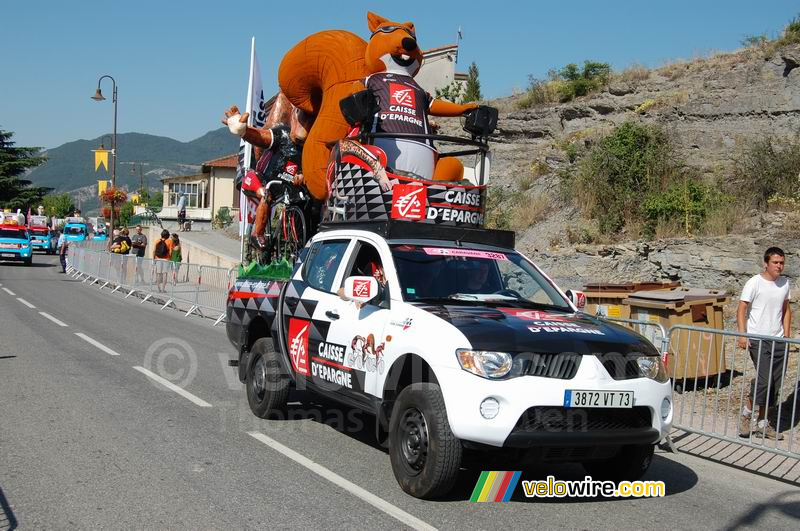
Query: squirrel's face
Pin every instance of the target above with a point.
(392, 47)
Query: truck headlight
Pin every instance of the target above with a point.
(486, 364)
(652, 367)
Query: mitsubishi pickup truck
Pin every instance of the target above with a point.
(456, 343)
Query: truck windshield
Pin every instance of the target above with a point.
(458, 274)
(73, 231)
(13, 233)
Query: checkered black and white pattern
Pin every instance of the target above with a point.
(356, 196)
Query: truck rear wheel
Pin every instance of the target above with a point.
(629, 464)
(266, 385)
(424, 453)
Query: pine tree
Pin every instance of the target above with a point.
(14, 161)
(473, 90)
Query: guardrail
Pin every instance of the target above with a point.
(714, 379)
(188, 287)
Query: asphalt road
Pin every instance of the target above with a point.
(88, 438)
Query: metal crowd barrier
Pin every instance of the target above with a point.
(713, 377)
(712, 402)
(199, 289)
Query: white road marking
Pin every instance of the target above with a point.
(172, 387)
(56, 321)
(352, 488)
(26, 303)
(96, 344)
(10, 292)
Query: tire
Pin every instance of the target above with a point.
(29, 261)
(424, 453)
(629, 464)
(266, 385)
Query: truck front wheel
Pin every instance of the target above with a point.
(424, 453)
(266, 385)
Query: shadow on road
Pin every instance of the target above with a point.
(781, 504)
(7, 519)
(34, 264)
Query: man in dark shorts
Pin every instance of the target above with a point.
(764, 310)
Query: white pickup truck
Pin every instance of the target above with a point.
(454, 341)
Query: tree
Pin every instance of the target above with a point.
(14, 161)
(451, 92)
(58, 205)
(473, 88)
(156, 201)
(126, 213)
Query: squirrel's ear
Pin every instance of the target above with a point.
(374, 21)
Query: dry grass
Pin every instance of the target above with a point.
(633, 75)
(528, 211)
(721, 221)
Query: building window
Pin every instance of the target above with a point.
(190, 189)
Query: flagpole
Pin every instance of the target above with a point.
(245, 152)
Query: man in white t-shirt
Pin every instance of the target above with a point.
(766, 296)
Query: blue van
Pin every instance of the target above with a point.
(15, 244)
(76, 231)
(43, 238)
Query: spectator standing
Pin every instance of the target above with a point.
(161, 256)
(764, 310)
(175, 256)
(128, 244)
(139, 246)
(121, 243)
(139, 242)
(63, 247)
(181, 210)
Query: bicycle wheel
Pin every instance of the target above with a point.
(276, 212)
(291, 233)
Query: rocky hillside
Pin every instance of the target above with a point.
(711, 108)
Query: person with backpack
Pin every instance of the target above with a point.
(162, 254)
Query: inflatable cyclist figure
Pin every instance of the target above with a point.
(278, 170)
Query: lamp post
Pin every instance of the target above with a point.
(98, 96)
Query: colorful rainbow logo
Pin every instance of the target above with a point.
(495, 486)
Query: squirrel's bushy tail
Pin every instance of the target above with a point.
(315, 75)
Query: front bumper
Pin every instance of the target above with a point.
(531, 409)
(16, 254)
(43, 244)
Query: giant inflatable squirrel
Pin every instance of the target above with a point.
(326, 67)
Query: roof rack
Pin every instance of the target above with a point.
(408, 230)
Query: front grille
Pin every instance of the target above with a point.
(561, 419)
(620, 368)
(562, 366)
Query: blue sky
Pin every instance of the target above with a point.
(179, 64)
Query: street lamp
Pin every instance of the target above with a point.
(98, 96)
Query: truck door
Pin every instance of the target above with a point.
(359, 329)
(308, 311)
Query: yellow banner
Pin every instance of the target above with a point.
(100, 158)
(102, 186)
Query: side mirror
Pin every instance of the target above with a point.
(578, 298)
(359, 107)
(360, 289)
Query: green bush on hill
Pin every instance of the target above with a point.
(566, 84)
(633, 179)
(768, 171)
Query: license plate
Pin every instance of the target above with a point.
(580, 398)
(8, 255)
